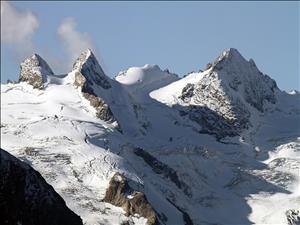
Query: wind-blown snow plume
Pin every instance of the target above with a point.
(74, 41)
(17, 28)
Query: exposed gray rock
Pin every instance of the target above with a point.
(243, 76)
(221, 101)
(34, 71)
(89, 72)
(187, 92)
(117, 194)
(163, 169)
(103, 111)
(293, 217)
(27, 199)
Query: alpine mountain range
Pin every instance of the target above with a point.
(216, 146)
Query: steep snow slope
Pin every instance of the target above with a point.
(192, 170)
(55, 131)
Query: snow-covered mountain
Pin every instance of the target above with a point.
(222, 98)
(220, 146)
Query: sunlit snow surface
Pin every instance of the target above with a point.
(51, 130)
(254, 179)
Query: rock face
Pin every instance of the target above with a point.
(89, 75)
(293, 217)
(220, 101)
(103, 111)
(89, 72)
(243, 77)
(119, 193)
(34, 71)
(164, 170)
(27, 199)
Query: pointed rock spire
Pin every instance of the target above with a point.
(89, 76)
(229, 56)
(34, 71)
(236, 73)
(87, 69)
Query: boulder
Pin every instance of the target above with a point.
(120, 194)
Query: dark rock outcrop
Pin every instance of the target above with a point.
(164, 170)
(293, 217)
(103, 111)
(27, 199)
(186, 218)
(34, 71)
(120, 194)
(187, 92)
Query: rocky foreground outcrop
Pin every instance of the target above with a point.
(27, 199)
(120, 194)
(34, 71)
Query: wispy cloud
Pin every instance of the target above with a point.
(17, 28)
(73, 40)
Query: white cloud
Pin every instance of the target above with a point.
(74, 41)
(17, 28)
(16, 25)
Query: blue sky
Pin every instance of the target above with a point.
(181, 36)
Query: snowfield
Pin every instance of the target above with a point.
(190, 172)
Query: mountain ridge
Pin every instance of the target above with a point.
(215, 147)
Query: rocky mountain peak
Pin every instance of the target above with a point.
(34, 70)
(230, 88)
(89, 76)
(229, 57)
(235, 73)
(231, 54)
(87, 69)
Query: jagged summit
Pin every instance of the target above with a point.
(228, 56)
(229, 88)
(233, 72)
(34, 70)
(87, 69)
(231, 53)
(83, 57)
